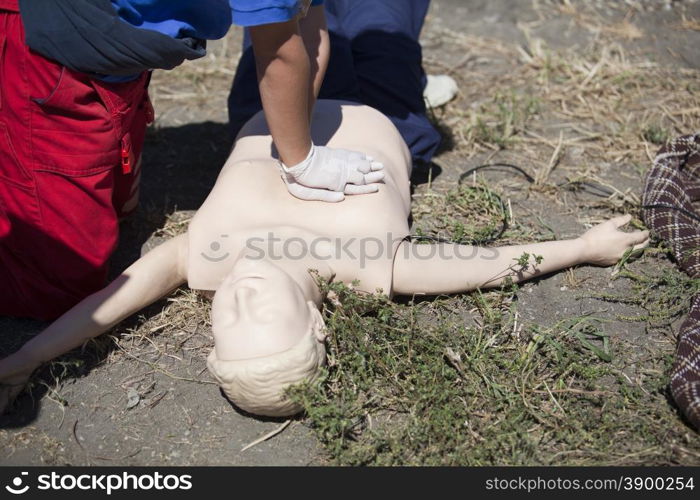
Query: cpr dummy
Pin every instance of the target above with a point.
(259, 251)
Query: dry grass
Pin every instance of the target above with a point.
(589, 114)
(602, 102)
(400, 389)
(595, 114)
(689, 24)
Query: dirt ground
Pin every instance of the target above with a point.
(142, 396)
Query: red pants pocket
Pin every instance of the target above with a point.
(17, 188)
(72, 132)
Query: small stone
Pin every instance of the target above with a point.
(133, 398)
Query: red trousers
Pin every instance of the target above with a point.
(69, 150)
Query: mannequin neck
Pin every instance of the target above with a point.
(304, 273)
(292, 249)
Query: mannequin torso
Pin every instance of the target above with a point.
(249, 208)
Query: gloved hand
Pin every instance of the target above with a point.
(329, 174)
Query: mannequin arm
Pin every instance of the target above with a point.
(447, 268)
(152, 276)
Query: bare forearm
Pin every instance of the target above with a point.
(315, 34)
(445, 268)
(285, 78)
(148, 279)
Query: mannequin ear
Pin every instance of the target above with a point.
(317, 324)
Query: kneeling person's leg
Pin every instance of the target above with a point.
(61, 151)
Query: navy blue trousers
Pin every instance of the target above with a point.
(375, 60)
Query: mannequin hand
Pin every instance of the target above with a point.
(10, 389)
(15, 372)
(327, 174)
(605, 244)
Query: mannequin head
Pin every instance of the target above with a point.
(267, 335)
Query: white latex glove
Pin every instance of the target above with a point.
(329, 174)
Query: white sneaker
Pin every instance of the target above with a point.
(439, 90)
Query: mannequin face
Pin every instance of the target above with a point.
(259, 310)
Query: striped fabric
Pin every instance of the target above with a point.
(671, 202)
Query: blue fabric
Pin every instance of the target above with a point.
(88, 36)
(257, 12)
(118, 79)
(203, 19)
(375, 60)
(200, 19)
